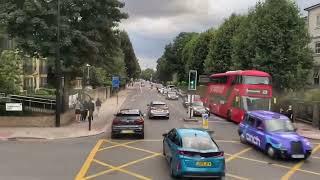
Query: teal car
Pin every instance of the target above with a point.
(192, 153)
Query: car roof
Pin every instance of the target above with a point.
(158, 103)
(129, 111)
(192, 131)
(267, 115)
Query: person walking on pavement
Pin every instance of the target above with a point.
(290, 113)
(82, 110)
(77, 108)
(85, 112)
(98, 105)
(91, 110)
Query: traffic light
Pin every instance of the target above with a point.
(192, 80)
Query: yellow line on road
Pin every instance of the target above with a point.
(117, 144)
(121, 170)
(88, 161)
(144, 150)
(236, 177)
(234, 156)
(297, 166)
(120, 167)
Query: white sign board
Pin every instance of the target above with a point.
(13, 106)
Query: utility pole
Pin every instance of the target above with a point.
(58, 71)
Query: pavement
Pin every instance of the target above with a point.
(308, 131)
(74, 130)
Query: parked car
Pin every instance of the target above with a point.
(158, 109)
(274, 134)
(199, 109)
(193, 153)
(172, 95)
(128, 122)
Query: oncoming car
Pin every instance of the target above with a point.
(274, 134)
(192, 153)
(199, 109)
(172, 95)
(128, 122)
(158, 109)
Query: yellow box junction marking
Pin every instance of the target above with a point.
(234, 156)
(88, 161)
(297, 166)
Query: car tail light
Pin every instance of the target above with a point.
(116, 121)
(213, 154)
(186, 153)
(153, 108)
(139, 121)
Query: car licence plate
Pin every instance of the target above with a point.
(127, 131)
(204, 164)
(297, 156)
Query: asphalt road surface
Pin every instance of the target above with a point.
(100, 157)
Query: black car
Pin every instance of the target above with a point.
(128, 122)
(158, 109)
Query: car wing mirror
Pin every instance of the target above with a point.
(164, 134)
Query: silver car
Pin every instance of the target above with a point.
(172, 95)
(158, 109)
(199, 109)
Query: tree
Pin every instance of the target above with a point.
(10, 72)
(147, 74)
(130, 58)
(200, 51)
(274, 39)
(87, 29)
(219, 57)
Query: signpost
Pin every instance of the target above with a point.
(116, 85)
(205, 121)
(13, 106)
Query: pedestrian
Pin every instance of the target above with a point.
(85, 111)
(98, 105)
(281, 110)
(77, 108)
(91, 110)
(82, 111)
(290, 113)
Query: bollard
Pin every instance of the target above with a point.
(89, 124)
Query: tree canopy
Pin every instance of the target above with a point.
(272, 37)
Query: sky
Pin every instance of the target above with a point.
(154, 23)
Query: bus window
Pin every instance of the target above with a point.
(236, 102)
(255, 80)
(251, 104)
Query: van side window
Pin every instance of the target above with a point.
(259, 123)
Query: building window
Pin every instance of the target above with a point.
(316, 77)
(318, 21)
(317, 48)
(43, 82)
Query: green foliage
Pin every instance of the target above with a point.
(220, 49)
(147, 74)
(130, 59)
(274, 39)
(271, 38)
(88, 30)
(10, 72)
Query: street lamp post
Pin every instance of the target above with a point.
(58, 70)
(88, 75)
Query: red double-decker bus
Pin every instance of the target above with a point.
(231, 94)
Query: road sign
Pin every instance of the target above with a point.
(192, 80)
(205, 121)
(13, 106)
(115, 81)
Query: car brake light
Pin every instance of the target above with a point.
(186, 153)
(116, 121)
(139, 121)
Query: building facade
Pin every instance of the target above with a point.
(35, 70)
(313, 23)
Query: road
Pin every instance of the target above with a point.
(99, 157)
